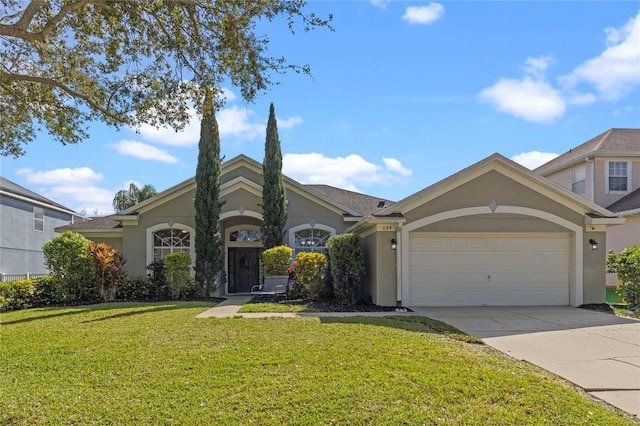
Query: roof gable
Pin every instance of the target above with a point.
(229, 166)
(620, 142)
(509, 168)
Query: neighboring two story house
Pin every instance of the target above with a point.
(606, 171)
(27, 221)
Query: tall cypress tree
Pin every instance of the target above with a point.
(274, 203)
(207, 241)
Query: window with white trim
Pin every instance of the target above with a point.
(618, 176)
(579, 179)
(311, 239)
(38, 218)
(167, 241)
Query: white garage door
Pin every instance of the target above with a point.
(469, 269)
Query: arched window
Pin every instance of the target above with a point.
(245, 235)
(310, 238)
(172, 240)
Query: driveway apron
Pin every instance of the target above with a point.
(597, 351)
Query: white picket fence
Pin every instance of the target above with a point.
(18, 277)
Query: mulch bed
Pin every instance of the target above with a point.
(333, 306)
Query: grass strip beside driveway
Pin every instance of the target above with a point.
(158, 364)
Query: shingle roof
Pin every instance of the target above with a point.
(612, 141)
(13, 188)
(106, 222)
(361, 203)
(628, 202)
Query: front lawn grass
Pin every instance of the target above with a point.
(150, 364)
(255, 306)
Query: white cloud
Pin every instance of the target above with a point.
(423, 14)
(144, 151)
(89, 198)
(616, 71)
(396, 166)
(73, 188)
(536, 66)
(380, 3)
(581, 98)
(532, 100)
(343, 172)
(534, 159)
(288, 122)
(79, 175)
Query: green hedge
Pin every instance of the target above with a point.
(31, 293)
(276, 260)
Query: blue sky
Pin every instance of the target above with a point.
(403, 94)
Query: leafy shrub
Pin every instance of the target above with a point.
(30, 293)
(108, 269)
(626, 266)
(347, 267)
(67, 259)
(311, 272)
(16, 295)
(136, 289)
(276, 260)
(178, 277)
(157, 273)
(45, 292)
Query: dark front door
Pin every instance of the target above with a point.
(244, 271)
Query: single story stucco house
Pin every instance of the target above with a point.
(494, 233)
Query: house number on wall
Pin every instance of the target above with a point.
(388, 228)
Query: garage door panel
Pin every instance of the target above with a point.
(489, 269)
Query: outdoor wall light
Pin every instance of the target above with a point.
(394, 244)
(594, 244)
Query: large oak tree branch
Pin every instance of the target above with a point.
(75, 94)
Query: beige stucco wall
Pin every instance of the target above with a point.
(493, 186)
(620, 237)
(381, 271)
(594, 268)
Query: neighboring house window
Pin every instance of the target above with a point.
(38, 218)
(167, 241)
(245, 235)
(310, 237)
(578, 179)
(618, 176)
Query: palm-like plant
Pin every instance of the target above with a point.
(126, 198)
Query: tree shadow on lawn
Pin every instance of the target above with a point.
(140, 308)
(409, 323)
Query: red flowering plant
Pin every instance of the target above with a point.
(291, 271)
(296, 290)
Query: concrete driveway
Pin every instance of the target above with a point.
(599, 352)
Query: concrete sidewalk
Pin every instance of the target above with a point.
(230, 307)
(598, 352)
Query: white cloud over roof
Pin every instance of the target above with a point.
(616, 70)
(532, 100)
(534, 159)
(423, 14)
(349, 172)
(62, 176)
(144, 151)
(612, 74)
